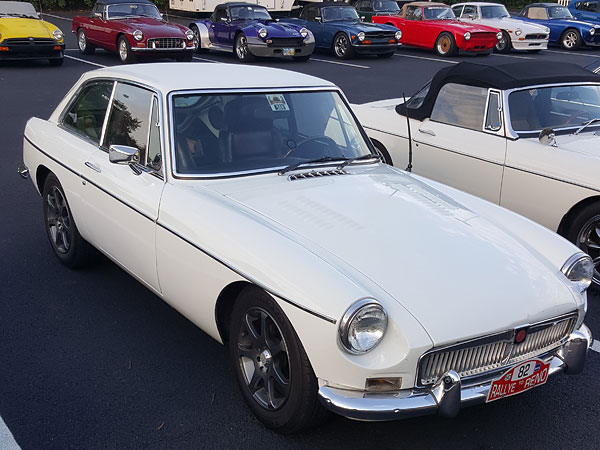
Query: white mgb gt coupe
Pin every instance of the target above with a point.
(263, 214)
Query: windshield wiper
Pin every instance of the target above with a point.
(311, 161)
(586, 124)
(358, 158)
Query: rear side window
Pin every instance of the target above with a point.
(86, 114)
(460, 105)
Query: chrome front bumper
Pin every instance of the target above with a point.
(447, 396)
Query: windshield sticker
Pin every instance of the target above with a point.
(277, 102)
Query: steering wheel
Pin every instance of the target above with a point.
(575, 114)
(330, 143)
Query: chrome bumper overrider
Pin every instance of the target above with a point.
(448, 395)
(23, 170)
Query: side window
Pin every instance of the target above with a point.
(493, 119)
(220, 14)
(537, 13)
(460, 105)
(457, 10)
(129, 120)
(470, 12)
(413, 13)
(154, 159)
(311, 14)
(99, 8)
(86, 114)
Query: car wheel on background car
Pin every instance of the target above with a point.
(271, 367)
(342, 47)
(584, 232)
(571, 39)
(196, 32)
(241, 50)
(445, 44)
(504, 44)
(68, 245)
(382, 152)
(84, 45)
(125, 53)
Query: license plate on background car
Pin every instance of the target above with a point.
(289, 52)
(519, 378)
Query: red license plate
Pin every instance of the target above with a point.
(519, 378)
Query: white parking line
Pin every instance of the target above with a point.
(596, 346)
(340, 63)
(208, 60)
(7, 441)
(84, 61)
(573, 53)
(428, 59)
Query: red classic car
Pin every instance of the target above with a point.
(132, 28)
(433, 25)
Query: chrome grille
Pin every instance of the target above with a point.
(535, 36)
(316, 174)
(174, 43)
(29, 41)
(380, 35)
(486, 354)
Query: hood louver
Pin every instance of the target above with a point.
(317, 174)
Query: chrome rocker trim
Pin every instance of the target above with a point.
(447, 396)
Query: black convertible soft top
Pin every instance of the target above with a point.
(501, 76)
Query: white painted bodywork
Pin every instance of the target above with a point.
(208, 6)
(510, 25)
(446, 266)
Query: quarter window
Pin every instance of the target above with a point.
(86, 114)
(154, 154)
(493, 120)
(460, 105)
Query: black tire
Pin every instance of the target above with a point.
(383, 153)
(570, 39)
(241, 50)
(386, 55)
(84, 44)
(55, 62)
(291, 405)
(68, 245)
(445, 45)
(342, 47)
(124, 51)
(504, 45)
(186, 57)
(196, 32)
(301, 58)
(583, 230)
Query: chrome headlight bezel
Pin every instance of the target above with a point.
(356, 312)
(189, 35)
(361, 36)
(467, 36)
(304, 32)
(263, 33)
(398, 35)
(138, 35)
(518, 32)
(58, 35)
(579, 270)
(592, 31)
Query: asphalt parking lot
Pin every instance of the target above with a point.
(90, 359)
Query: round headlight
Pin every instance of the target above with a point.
(518, 32)
(579, 269)
(363, 326)
(592, 31)
(467, 36)
(547, 30)
(361, 36)
(262, 33)
(303, 32)
(58, 35)
(499, 35)
(138, 35)
(189, 34)
(398, 35)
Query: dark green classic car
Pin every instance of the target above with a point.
(370, 8)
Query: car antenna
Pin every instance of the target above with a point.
(409, 167)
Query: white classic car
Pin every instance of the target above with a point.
(521, 135)
(263, 215)
(516, 34)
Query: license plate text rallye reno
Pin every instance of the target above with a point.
(519, 378)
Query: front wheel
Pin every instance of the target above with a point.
(271, 366)
(504, 44)
(342, 47)
(197, 41)
(125, 53)
(84, 44)
(445, 45)
(584, 232)
(571, 40)
(241, 49)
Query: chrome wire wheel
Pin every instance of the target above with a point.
(341, 45)
(571, 40)
(58, 220)
(588, 240)
(264, 359)
(82, 41)
(123, 50)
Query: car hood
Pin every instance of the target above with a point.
(462, 26)
(586, 143)
(445, 264)
(22, 28)
(361, 26)
(152, 27)
(274, 29)
(508, 23)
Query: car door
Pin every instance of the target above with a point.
(122, 199)
(314, 23)
(93, 25)
(585, 10)
(463, 143)
(221, 28)
(410, 25)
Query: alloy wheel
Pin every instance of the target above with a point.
(570, 39)
(242, 47)
(444, 45)
(82, 41)
(58, 220)
(123, 52)
(588, 240)
(341, 45)
(501, 44)
(196, 37)
(264, 359)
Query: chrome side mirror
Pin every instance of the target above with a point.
(547, 137)
(98, 15)
(123, 154)
(317, 19)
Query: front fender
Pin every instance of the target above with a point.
(203, 32)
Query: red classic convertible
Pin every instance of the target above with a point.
(132, 28)
(433, 25)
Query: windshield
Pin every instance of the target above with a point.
(339, 13)
(249, 12)
(494, 12)
(553, 107)
(229, 133)
(385, 5)
(123, 10)
(438, 13)
(559, 12)
(18, 9)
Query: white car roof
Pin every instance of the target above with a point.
(169, 77)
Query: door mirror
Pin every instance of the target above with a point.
(547, 137)
(123, 154)
(317, 19)
(225, 19)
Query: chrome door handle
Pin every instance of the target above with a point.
(426, 131)
(93, 166)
